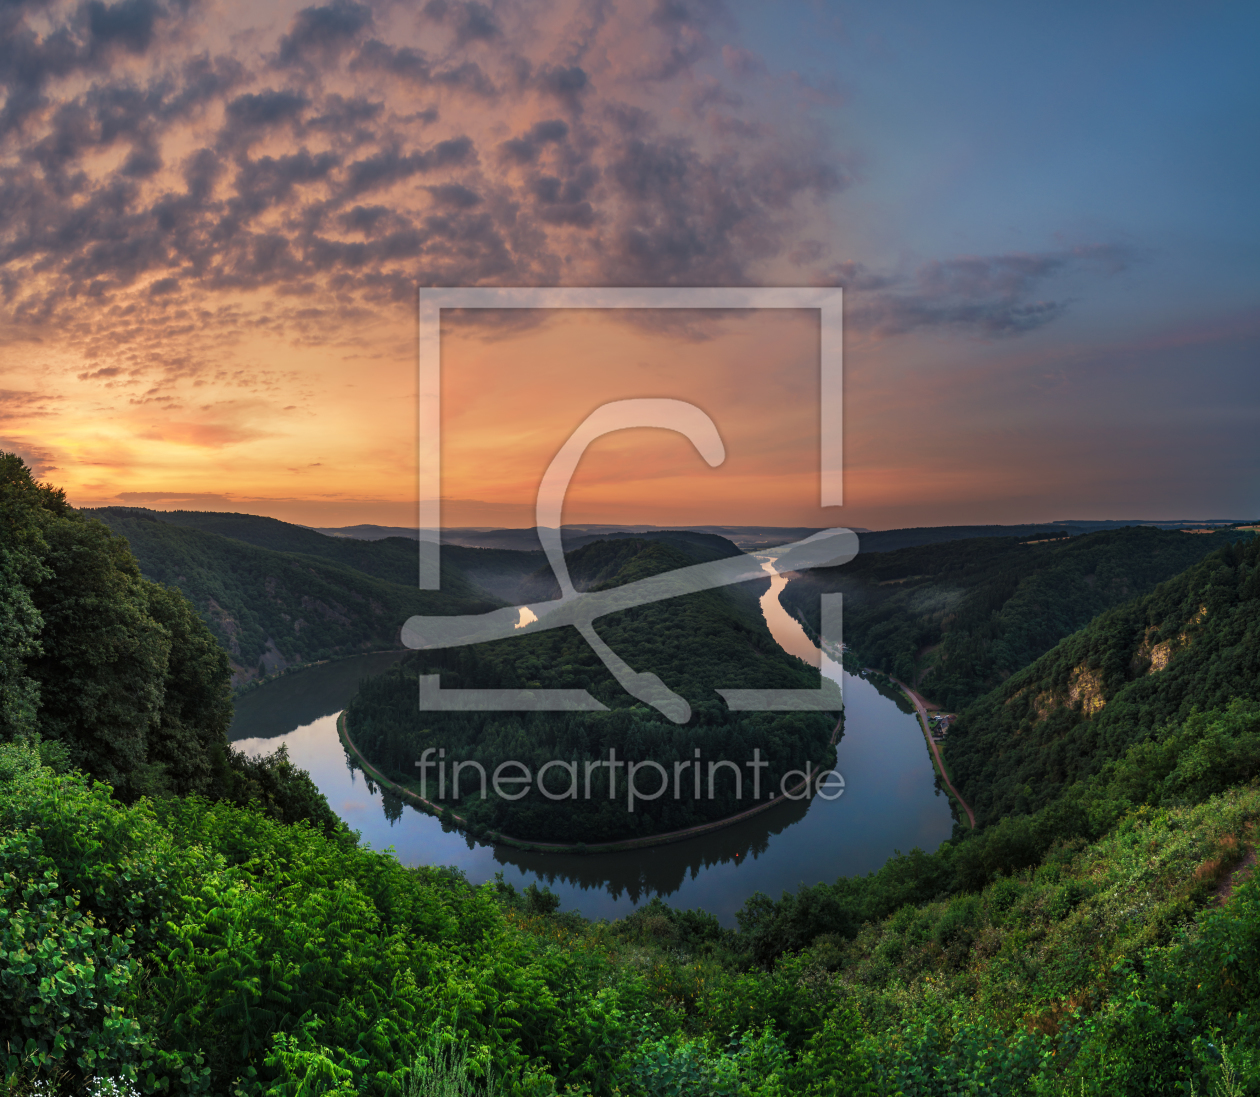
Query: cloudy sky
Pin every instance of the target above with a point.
(214, 217)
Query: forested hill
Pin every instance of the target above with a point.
(103, 670)
(174, 934)
(960, 617)
(1192, 643)
(275, 594)
(395, 559)
(696, 644)
(521, 577)
(271, 608)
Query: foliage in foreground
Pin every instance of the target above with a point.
(190, 947)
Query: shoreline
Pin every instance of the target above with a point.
(921, 710)
(498, 838)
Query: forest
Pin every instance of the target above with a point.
(276, 595)
(178, 920)
(957, 618)
(696, 644)
(1192, 644)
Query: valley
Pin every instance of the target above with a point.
(271, 920)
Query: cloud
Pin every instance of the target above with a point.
(320, 34)
(17, 406)
(470, 20)
(40, 461)
(258, 110)
(525, 148)
(157, 166)
(128, 24)
(567, 83)
(413, 67)
(202, 435)
(990, 295)
(317, 164)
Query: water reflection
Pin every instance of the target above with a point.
(890, 803)
(785, 628)
(664, 870)
(303, 696)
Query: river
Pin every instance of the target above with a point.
(890, 801)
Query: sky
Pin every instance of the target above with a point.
(215, 217)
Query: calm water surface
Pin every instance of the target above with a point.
(890, 802)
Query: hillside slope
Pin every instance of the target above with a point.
(395, 559)
(1193, 642)
(270, 609)
(961, 616)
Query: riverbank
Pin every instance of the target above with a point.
(246, 688)
(646, 842)
(920, 707)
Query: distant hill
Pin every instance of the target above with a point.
(524, 577)
(395, 559)
(369, 532)
(754, 538)
(960, 616)
(271, 608)
(1193, 642)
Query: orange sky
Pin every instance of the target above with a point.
(216, 217)
(509, 403)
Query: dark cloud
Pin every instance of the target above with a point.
(364, 219)
(685, 31)
(350, 165)
(990, 295)
(269, 180)
(454, 195)
(525, 149)
(391, 165)
(471, 21)
(256, 110)
(688, 219)
(128, 24)
(349, 116)
(853, 277)
(567, 83)
(565, 201)
(82, 39)
(39, 460)
(322, 33)
(413, 67)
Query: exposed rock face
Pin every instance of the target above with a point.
(1085, 689)
(226, 624)
(1156, 656)
(1085, 685)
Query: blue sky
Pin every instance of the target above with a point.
(214, 216)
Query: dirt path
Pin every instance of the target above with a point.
(1239, 876)
(557, 847)
(920, 706)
